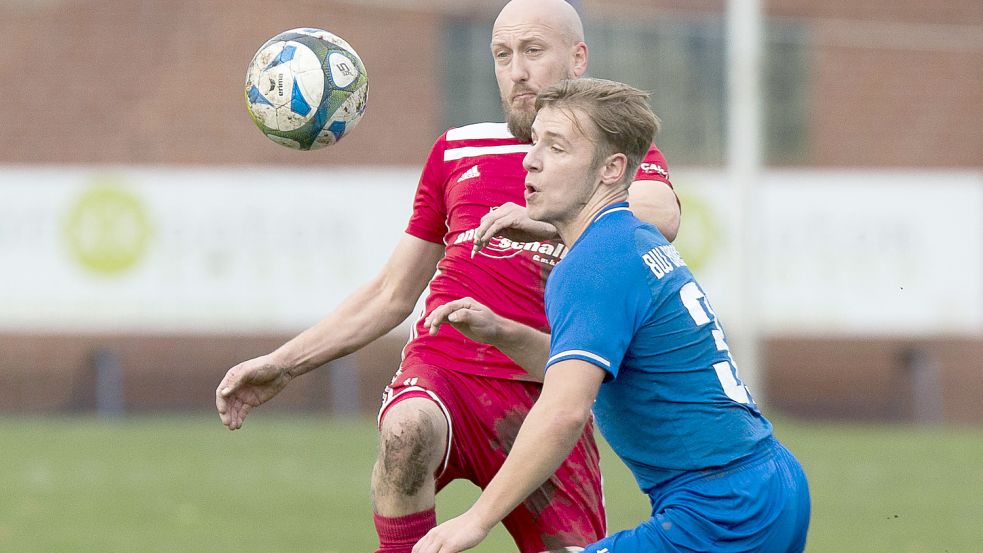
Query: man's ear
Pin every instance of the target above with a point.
(580, 56)
(613, 169)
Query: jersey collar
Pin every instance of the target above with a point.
(611, 208)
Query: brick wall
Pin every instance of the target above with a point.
(57, 373)
(882, 379)
(162, 81)
(894, 93)
(891, 83)
(855, 379)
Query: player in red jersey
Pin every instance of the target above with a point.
(454, 407)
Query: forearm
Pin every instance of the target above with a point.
(541, 230)
(546, 438)
(548, 434)
(528, 347)
(366, 315)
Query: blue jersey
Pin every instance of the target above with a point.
(624, 300)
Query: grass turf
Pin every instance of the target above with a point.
(298, 484)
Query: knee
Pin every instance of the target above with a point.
(411, 447)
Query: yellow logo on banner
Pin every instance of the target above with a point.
(107, 228)
(698, 231)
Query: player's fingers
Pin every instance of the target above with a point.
(486, 220)
(240, 414)
(231, 414)
(222, 400)
(442, 314)
(436, 318)
(492, 223)
(493, 229)
(233, 380)
(223, 413)
(243, 411)
(462, 316)
(427, 544)
(228, 417)
(439, 313)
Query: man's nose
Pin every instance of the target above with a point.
(530, 162)
(518, 72)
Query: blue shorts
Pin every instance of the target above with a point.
(759, 505)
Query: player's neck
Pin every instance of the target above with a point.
(572, 229)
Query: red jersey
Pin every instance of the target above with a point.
(471, 170)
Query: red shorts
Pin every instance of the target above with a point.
(483, 417)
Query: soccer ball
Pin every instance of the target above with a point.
(306, 89)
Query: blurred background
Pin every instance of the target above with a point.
(151, 237)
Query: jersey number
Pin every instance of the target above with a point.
(699, 308)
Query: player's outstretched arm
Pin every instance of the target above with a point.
(528, 347)
(370, 312)
(655, 202)
(547, 436)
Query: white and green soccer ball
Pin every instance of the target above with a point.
(306, 89)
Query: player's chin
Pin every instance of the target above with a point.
(533, 207)
(519, 123)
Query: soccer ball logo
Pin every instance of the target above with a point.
(306, 89)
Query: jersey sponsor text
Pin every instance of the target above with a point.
(662, 260)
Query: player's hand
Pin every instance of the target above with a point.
(469, 317)
(245, 386)
(457, 534)
(512, 222)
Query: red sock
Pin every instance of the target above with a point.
(400, 534)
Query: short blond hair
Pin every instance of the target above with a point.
(623, 121)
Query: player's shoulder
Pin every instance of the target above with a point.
(604, 246)
(653, 166)
(459, 144)
(479, 131)
(614, 228)
(476, 134)
(603, 264)
(617, 245)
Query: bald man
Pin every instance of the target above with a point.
(455, 405)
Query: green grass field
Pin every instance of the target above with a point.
(299, 484)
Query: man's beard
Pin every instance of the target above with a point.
(519, 122)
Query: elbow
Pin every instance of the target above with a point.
(570, 420)
(670, 227)
(401, 307)
(664, 217)
(397, 303)
(670, 219)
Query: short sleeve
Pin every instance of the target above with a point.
(594, 311)
(429, 219)
(653, 167)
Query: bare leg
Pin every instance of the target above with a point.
(412, 443)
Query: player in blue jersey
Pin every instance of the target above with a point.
(634, 337)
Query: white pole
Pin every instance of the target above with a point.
(744, 160)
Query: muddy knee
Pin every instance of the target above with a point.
(411, 447)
